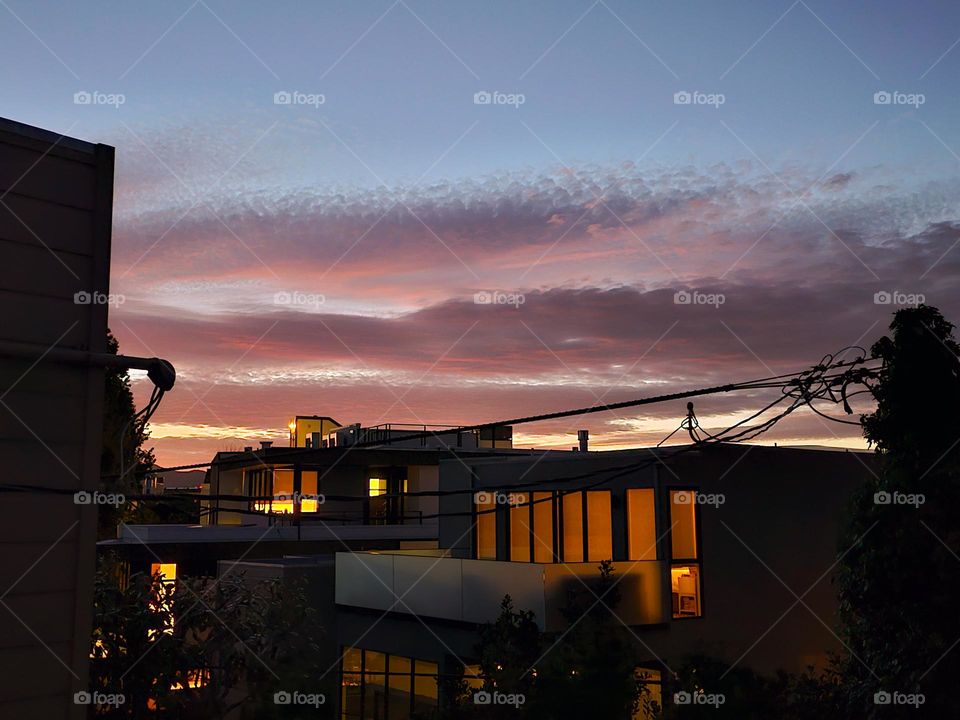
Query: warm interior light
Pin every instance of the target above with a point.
(378, 486)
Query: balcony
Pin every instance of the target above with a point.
(470, 591)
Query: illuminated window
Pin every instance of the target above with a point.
(376, 686)
(685, 588)
(641, 525)
(599, 526)
(543, 527)
(351, 686)
(683, 521)
(651, 694)
(572, 536)
(167, 571)
(473, 677)
(168, 576)
(378, 486)
(520, 528)
(486, 528)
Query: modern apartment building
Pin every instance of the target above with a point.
(711, 546)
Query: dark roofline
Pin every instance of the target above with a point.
(46, 136)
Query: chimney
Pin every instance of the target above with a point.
(584, 437)
(248, 448)
(265, 444)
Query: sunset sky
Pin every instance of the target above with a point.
(324, 257)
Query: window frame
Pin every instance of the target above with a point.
(684, 562)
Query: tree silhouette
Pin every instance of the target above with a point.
(900, 577)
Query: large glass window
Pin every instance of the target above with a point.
(572, 535)
(377, 686)
(651, 694)
(641, 524)
(543, 527)
(685, 588)
(685, 566)
(599, 526)
(520, 527)
(683, 524)
(486, 526)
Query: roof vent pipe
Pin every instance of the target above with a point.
(584, 437)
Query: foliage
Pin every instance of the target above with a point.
(586, 670)
(123, 459)
(898, 583)
(249, 640)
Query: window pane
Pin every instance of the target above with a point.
(425, 687)
(641, 525)
(685, 587)
(378, 486)
(350, 684)
(651, 695)
(599, 528)
(543, 527)
(400, 680)
(308, 491)
(374, 685)
(573, 527)
(486, 528)
(282, 491)
(520, 528)
(683, 518)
